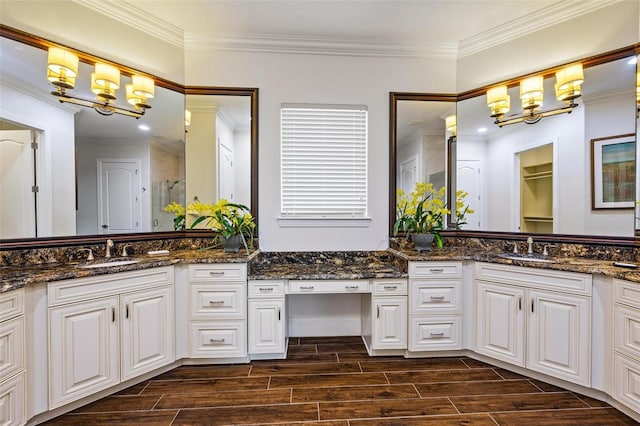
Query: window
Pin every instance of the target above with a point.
(324, 161)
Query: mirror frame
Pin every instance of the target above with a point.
(481, 91)
(252, 92)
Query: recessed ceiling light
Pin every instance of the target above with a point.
(144, 127)
(482, 130)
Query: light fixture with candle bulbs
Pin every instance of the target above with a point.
(62, 70)
(567, 87)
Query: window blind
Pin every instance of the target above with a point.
(323, 161)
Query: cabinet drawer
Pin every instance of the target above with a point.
(627, 292)
(266, 288)
(546, 279)
(11, 347)
(11, 304)
(442, 296)
(435, 269)
(107, 285)
(329, 286)
(626, 382)
(13, 401)
(390, 287)
(435, 333)
(217, 301)
(627, 330)
(218, 272)
(220, 340)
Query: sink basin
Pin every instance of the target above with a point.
(108, 264)
(526, 258)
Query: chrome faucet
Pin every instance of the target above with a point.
(108, 250)
(530, 244)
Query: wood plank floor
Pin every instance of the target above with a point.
(332, 381)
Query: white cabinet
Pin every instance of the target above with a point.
(97, 343)
(390, 322)
(267, 320)
(500, 322)
(521, 322)
(217, 310)
(12, 359)
(435, 306)
(626, 353)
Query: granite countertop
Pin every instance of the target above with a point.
(558, 263)
(327, 266)
(15, 277)
(392, 263)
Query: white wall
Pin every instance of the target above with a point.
(321, 79)
(88, 153)
(56, 174)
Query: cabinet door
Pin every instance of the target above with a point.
(84, 352)
(266, 326)
(147, 331)
(500, 322)
(559, 335)
(12, 401)
(389, 323)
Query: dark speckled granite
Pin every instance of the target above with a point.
(23, 267)
(327, 265)
(13, 277)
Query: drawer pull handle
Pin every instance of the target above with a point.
(265, 288)
(217, 341)
(441, 334)
(306, 287)
(438, 298)
(216, 273)
(436, 270)
(390, 287)
(351, 287)
(216, 302)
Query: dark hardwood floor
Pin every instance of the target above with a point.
(332, 381)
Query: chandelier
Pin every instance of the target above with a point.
(567, 88)
(62, 70)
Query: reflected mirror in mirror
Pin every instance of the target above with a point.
(537, 178)
(418, 143)
(218, 149)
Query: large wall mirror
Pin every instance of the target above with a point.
(97, 175)
(540, 178)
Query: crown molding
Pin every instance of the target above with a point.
(137, 18)
(272, 43)
(547, 17)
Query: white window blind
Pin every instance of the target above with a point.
(324, 161)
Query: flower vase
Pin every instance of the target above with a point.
(422, 242)
(231, 244)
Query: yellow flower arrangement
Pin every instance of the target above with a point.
(424, 209)
(225, 218)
